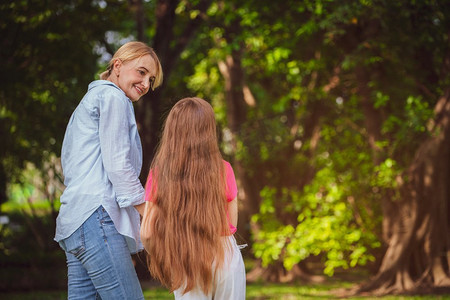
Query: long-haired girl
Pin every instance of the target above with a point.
(191, 210)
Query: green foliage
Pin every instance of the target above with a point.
(326, 225)
(313, 68)
(325, 199)
(29, 257)
(48, 60)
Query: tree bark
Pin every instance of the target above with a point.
(418, 251)
(373, 117)
(136, 6)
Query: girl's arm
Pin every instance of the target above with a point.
(233, 211)
(140, 208)
(146, 230)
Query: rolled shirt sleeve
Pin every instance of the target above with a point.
(115, 145)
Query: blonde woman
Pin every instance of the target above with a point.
(191, 210)
(98, 222)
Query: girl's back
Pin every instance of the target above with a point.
(186, 228)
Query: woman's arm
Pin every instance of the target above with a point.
(115, 143)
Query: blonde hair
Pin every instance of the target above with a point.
(188, 218)
(133, 50)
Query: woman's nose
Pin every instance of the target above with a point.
(146, 83)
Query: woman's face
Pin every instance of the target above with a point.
(135, 77)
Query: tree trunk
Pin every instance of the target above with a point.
(136, 6)
(418, 253)
(148, 109)
(3, 180)
(231, 70)
(372, 118)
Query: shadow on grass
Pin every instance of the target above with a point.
(34, 295)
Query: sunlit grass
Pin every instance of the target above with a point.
(292, 292)
(264, 291)
(260, 291)
(157, 293)
(317, 291)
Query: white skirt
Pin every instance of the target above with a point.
(229, 282)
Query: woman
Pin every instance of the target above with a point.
(191, 213)
(98, 221)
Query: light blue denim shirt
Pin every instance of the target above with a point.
(101, 160)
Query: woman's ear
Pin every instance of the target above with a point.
(117, 64)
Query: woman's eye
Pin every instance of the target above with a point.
(141, 72)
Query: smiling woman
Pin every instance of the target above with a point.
(135, 77)
(98, 222)
(134, 74)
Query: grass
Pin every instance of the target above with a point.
(258, 291)
(315, 291)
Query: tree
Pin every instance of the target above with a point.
(415, 203)
(175, 23)
(384, 68)
(353, 99)
(47, 64)
(325, 109)
(417, 255)
(273, 96)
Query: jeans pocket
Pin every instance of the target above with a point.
(75, 243)
(106, 219)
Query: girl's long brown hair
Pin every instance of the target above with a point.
(188, 217)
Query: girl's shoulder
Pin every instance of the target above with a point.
(228, 166)
(231, 187)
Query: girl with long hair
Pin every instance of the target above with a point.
(191, 210)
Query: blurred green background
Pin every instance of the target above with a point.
(334, 114)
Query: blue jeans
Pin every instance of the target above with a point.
(99, 262)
